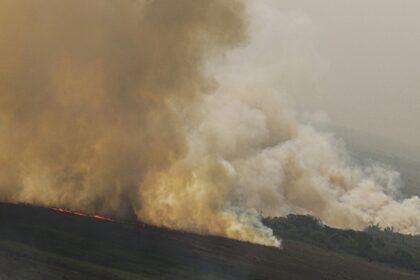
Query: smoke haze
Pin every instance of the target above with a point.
(180, 113)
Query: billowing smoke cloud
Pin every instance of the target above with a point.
(141, 108)
(283, 165)
(92, 100)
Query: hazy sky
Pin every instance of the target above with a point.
(372, 52)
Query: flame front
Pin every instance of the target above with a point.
(94, 215)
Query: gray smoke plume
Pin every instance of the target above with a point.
(283, 165)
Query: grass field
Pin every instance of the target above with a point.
(39, 243)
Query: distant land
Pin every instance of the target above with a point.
(400, 157)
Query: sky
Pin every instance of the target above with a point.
(370, 78)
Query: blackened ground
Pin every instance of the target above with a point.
(40, 243)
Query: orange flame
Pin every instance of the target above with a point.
(94, 215)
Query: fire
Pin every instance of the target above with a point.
(94, 215)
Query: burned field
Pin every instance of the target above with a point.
(41, 243)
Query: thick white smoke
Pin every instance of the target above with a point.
(278, 164)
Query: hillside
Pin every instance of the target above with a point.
(40, 243)
(373, 244)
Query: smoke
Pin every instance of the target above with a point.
(160, 110)
(94, 97)
(284, 165)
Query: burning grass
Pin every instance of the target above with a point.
(94, 215)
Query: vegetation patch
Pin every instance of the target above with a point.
(374, 243)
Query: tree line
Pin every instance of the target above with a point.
(373, 243)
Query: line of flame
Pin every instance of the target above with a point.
(94, 215)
